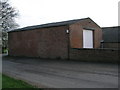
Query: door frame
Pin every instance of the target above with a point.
(92, 37)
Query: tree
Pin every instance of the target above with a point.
(7, 20)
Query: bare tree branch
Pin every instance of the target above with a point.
(7, 20)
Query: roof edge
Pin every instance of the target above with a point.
(53, 24)
(111, 27)
(94, 22)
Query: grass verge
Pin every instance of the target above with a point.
(8, 82)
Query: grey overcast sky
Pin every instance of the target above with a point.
(35, 12)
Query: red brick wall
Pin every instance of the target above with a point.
(76, 36)
(45, 43)
(97, 55)
(76, 33)
(52, 42)
(23, 43)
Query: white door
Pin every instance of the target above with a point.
(87, 39)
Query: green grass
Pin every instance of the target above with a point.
(8, 82)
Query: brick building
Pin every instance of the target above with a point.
(54, 40)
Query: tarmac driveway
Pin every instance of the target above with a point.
(45, 73)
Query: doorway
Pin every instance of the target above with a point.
(87, 39)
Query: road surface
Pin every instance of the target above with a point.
(45, 73)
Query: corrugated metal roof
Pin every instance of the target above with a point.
(111, 34)
(49, 25)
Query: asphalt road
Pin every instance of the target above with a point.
(62, 74)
